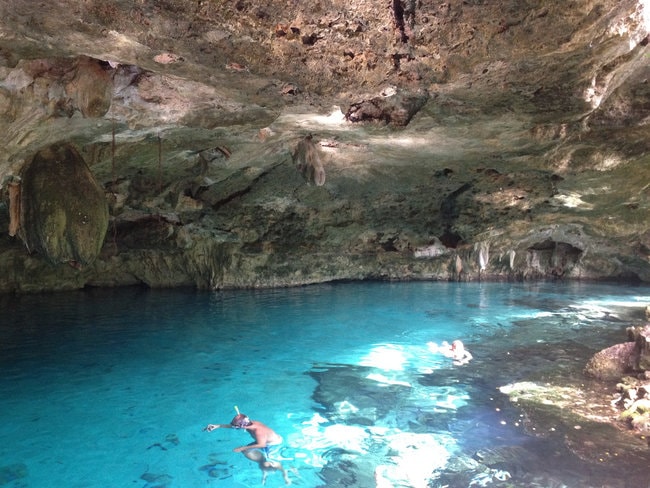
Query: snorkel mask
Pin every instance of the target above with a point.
(240, 420)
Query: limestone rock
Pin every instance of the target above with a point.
(641, 337)
(309, 161)
(64, 214)
(520, 126)
(92, 87)
(395, 108)
(611, 363)
(631, 357)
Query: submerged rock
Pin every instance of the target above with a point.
(154, 480)
(12, 472)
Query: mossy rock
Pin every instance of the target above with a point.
(64, 212)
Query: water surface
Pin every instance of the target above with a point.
(111, 388)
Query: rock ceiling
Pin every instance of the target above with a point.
(453, 140)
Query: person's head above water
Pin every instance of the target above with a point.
(457, 345)
(240, 421)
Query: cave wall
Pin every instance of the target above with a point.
(461, 140)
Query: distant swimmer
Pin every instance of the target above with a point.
(264, 450)
(455, 351)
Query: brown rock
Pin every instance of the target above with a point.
(64, 214)
(641, 337)
(610, 363)
(396, 108)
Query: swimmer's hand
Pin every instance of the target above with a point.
(211, 427)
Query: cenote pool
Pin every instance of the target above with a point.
(112, 388)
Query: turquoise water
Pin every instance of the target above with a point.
(113, 388)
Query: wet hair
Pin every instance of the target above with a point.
(240, 421)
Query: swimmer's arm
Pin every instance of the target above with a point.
(257, 445)
(211, 427)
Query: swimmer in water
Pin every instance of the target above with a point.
(455, 351)
(264, 449)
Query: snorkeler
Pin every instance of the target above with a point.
(456, 351)
(265, 447)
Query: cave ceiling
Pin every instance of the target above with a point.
(445, 129)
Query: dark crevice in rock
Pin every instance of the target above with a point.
(230, 197)
(451, 239)
(449, 213)
(398, 18)
(449, 209)
(143, 233)
(556, 257)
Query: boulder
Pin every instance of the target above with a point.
(392, 107)
(611, 363)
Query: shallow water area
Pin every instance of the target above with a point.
(114, 387)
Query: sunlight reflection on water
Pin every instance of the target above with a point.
(112, 388)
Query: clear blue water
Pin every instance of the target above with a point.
(112, 388)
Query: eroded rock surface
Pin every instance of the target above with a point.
(483, 140)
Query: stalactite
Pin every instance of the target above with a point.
(309, 161)
(14, 207)
(159, 164)
(113, 152)
(160, 184)
(114, 177)
(483, 256)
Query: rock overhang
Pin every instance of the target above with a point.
(521, 105)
